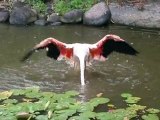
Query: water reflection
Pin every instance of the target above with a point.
(120, 73)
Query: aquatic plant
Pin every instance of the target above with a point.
(33, 104)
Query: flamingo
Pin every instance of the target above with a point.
(81, 54)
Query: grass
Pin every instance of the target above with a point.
(63, 6)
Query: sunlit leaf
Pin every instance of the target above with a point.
(150, 117)
(105, 116)
(88, 114)
(152, 110)
(71, 93)
(42, 117)
(132, 100)
(64, 114)
(33, 95)
(135, 107)
(10, 101)
(18, 92)
(97, 101)
(5, 95)
(85, 107)
(126, 95)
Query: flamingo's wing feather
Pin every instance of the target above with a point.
(109, 44)
(54, 48)
(118, 46)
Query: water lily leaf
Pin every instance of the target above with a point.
(126, 95)
(77, 118)
(88, 115)
(135, 107)
(152, 110)
(31, 107)
(64, 114)
(97, 101)
(12, 117)
(5, 95)
(48, 95)
(105, 116)
(33, 95)
(62, 106)
(72, 93)
(132, 100)
(150, 117)
(10, 101)
(42, 117)
(18, 92)
(85, 107)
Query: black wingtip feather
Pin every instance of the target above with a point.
(123, 47)
(27, 55)
(118, 46)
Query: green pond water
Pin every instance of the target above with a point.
(138, 75)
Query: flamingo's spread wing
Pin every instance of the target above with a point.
(108, 44)
(55, 49)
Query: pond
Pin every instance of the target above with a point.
(138, 75)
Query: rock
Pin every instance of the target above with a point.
(56, 23)
(98, 15)
(4, 15)
(149, 17)
(23, 15)
(53, 18)
(18, 4)
(41, 22)
(74, 16)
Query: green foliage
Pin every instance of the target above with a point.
(38, 5)
(63, 6)
(32, 104)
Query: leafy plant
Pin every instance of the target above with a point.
(63, 6)
(33, 104)
(39, 5)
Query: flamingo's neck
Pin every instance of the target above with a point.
(81, 51)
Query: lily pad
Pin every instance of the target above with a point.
(72, 93)
(152, 110)
(10, 101)
(5, 95)
(126, 95)
(150, 117)
(97, 101)
(132, 100)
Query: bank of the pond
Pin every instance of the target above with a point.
(99, 14)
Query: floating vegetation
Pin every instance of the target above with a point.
(33, 104)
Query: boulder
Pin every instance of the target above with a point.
(40, 22)
(54, 17)
(22, 15)
(149, 17)
(74, 16)
(4, 15)
(97, 15)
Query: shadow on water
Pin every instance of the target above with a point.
(120, 73)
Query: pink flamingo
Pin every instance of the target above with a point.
(81, 53)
